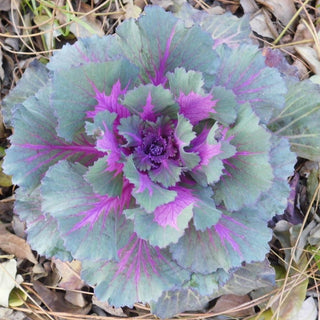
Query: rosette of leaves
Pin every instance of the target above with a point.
(145, 155)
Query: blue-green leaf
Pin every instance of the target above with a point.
(248, 173)
(93, 226)
(148, 194)
(142, 274)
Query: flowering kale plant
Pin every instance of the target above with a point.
(147, 156)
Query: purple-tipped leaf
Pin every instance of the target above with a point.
(93, 226)
(147, 193)
(36, 145)
(165, 48)
(82, 88)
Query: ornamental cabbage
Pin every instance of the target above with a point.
(146, 155)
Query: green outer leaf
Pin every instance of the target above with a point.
(40, 226)
(203, 288)
(209, 284)
(147, 193)
(93, 49)
(142, 274)
(248, 277)
(35, 77)
(299, 120)
(227, 244)
(147, 46)
(275, 200)
(75, 88)
(244, 71)
(249, 172)
(91, 229)
(35, 145)
(227, 28)
(176, 301)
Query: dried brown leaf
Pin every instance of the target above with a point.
(310, 56)
(12, 244)
(262, 25)
(249, 6)
(231, 301)
(87, 25)
(283, 10)
(56, 302)
(70, 274)
(118, 312)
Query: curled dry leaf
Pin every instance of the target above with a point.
(70, 274)
(283, 10)
(233, 303)
(12, 244)
(56, 302)
(310, 56)
(261, 23)
(70, 280)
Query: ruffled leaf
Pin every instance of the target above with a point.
(142, 274)
(212, 149)
(184, 134)
(147, 193)
(243, 70)
(35, 77)
(194, 104)
(102, 180)
(81, 88)
(129, 128)
(85, 50)
(185, 81)
(110, 102)
(107, 141)
(179, 300)
(169, 213)
(248, 173)
(227, 28)
(226, 106)
(160, 50)
(196, 107)
(232, 240)
(149, 102)
(167, 174)
(209, 284)
(205, 213)
(40, 226)
(275, 200)
(148, 229)
(36, 145)
(298, 121)
(93, 226)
